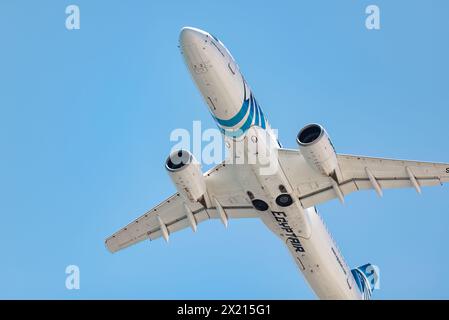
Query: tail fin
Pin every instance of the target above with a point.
(367, 279)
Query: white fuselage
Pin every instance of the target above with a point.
(241, 120)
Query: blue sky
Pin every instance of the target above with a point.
(85, 119)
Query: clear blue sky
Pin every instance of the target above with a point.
(85, 118)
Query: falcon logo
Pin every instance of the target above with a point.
(281, 219)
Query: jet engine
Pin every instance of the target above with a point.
(185, 172)
(317, 149)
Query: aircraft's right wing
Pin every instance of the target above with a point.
(358, 173)
(171, 215)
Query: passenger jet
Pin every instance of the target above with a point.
(260, 179)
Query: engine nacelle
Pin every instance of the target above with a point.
(186, 174)
(317, 149)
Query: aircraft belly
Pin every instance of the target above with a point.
(317, 257)
(305, 236)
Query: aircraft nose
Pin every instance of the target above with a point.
(190, 35)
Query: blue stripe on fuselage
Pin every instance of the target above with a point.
(244, 127)
(235, 119)
(255, 113)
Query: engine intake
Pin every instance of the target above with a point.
(310, 134)
(185, 172)
(318, 150)
(178, 160)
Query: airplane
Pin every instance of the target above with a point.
(279, 186)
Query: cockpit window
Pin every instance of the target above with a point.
(215, 38)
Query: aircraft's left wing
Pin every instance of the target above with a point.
(171, 215)
(358, 173)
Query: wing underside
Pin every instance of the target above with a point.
(358, 173)
(171, 215)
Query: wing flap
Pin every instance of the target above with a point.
(327, 193)
(397, 183)
(354, 167)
